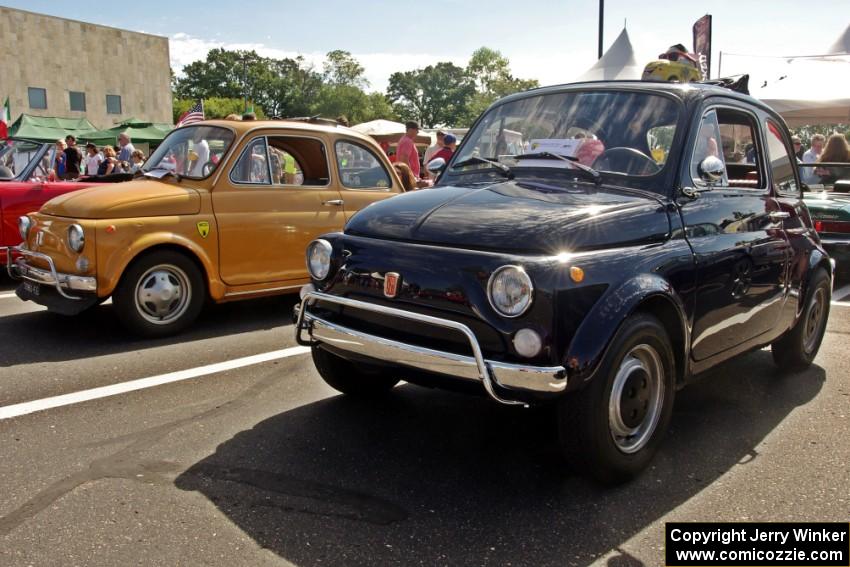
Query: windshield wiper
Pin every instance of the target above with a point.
(594, 175)
(503, 169)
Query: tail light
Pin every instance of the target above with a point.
(832, 226)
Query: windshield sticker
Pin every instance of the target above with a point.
(562, 147)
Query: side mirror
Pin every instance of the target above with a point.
(711, 169)
(436, 166)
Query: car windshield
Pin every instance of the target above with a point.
(191, 151)
(15, 156)
(826, 177)
(627, 133)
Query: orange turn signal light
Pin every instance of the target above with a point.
(576, 274)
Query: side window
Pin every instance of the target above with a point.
(781, 162)
(298, 161)
(359, 168)
(252, 167)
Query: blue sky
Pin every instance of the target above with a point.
(552, 41)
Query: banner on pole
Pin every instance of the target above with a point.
(702, 44)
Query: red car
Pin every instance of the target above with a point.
(24, 170)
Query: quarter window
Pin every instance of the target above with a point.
(77, 101)
(781, 164)
(360, 168)
(252, 167)
(730, 135)
(37, 98)
(113, 104)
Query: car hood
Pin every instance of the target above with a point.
(139, 198)
(517, 216)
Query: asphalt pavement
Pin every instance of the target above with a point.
(222, 446)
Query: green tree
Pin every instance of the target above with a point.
(341, 68)
(490, 71)
(437, 95)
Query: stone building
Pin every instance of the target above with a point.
(58, 67)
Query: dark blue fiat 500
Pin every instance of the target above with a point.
(596, 245)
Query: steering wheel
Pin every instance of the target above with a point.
(208, 168)
(626, 160)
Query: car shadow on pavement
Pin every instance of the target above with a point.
(42, 336)
(436, 478)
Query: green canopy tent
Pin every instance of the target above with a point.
(150, 133)
(48, 128)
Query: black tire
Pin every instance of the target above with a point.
(349, 378)
(173, 293)
(641, 364)
(797, 349)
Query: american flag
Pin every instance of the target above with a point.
(194, 114)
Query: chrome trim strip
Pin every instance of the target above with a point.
(489, 373)
(19, 269)
(255, 291)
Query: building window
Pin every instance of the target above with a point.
(78, 101)
(38, 98)
(113, 104)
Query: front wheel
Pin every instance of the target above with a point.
(797, 349)
(611, 429)
(349, 378)
(160, 294)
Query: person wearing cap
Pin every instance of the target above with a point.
(429, 153)
(798, 147)
(406, 150)
(448, 149)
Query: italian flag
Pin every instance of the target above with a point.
(5, 120)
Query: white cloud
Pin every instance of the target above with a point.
(547, 67)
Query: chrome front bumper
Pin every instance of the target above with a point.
(19, 269)
(490, 373)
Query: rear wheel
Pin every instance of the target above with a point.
(160, 294)
(797, 349)
(611, 429)
(349, 378)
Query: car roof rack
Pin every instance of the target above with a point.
(739, 83)
(317, 119)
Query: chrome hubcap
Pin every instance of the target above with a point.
(162, 294)
(637, 396)
(814, 318)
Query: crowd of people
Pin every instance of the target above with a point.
(70, 163)
(834, 149)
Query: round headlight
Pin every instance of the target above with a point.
(76, 238)
(319, 259)
(24, 225)
(510, 291)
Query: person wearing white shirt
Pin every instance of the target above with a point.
(93, 159)
(202, 148)
(812, 155)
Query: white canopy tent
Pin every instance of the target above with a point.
(811, 89)
(616, 64)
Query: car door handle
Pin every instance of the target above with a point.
(778, 215)
(333, 203)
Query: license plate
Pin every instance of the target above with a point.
(31, 287)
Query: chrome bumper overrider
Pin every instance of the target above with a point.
(490, 373)
(19, 269)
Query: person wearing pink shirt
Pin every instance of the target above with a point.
(406, 151)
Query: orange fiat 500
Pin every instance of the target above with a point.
(224, 210)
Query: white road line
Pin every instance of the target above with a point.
(840, 303)
(7, 295)
(24, 408)
(841, 292)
